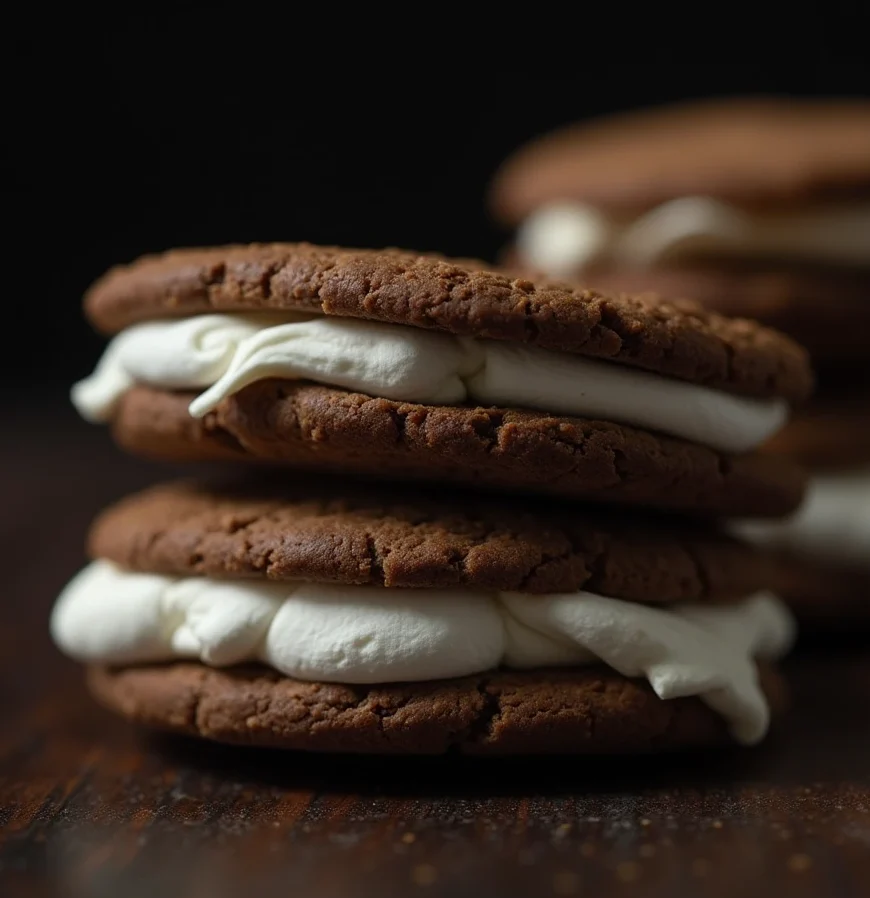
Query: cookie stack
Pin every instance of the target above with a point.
(757, 208)
(483, 516)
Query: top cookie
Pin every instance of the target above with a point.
(677, 339)
(749, 151)
(334, 531)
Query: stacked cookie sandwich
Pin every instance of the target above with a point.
(483, 514)
(757, 208)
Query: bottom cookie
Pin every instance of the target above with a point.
(559, 711)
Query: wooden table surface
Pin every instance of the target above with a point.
(88, 806)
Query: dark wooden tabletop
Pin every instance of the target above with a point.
(89, 806)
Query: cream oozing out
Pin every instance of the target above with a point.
(356, 634)
(833, 524)
(562, 238)
(221, 354)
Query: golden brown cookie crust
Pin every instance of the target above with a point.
(309, 426)
(679, 339)
(564, 711)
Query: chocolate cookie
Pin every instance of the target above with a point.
(679, 340)
(336, 532)
(577, 711)
(748, 151)
(316, 427)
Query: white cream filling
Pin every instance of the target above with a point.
(562, 238)
(356, 634)
(225, 353)
(833, 524)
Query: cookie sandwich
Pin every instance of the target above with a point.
(335, 617)
(416, 367)
(758, 208)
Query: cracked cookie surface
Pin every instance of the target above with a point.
(340, 533)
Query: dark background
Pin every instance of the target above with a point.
(147, 133)
(133, 135)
